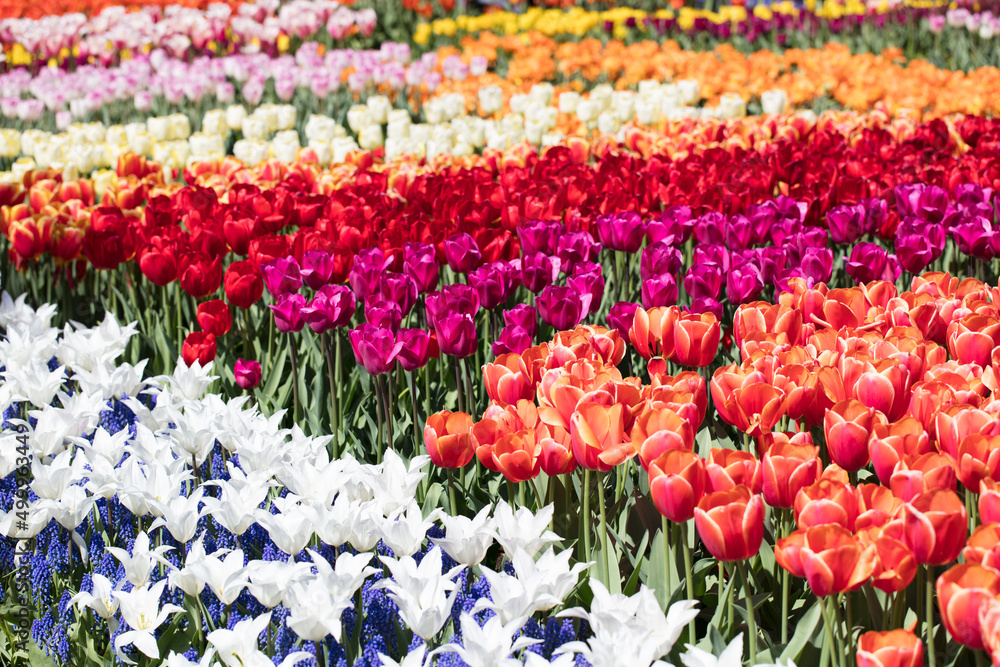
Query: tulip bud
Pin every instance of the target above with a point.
(247, 374)
(448, 439)
(731, 523)
(199, 346)
(214, 317)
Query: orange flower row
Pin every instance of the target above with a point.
(34, 10)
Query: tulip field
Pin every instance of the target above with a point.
(499, 333)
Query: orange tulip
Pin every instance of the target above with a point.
(889, 443)
(696, 339)
(652, 331)
(508, 380)
(731, 523)
(989, 501)
(897, 648)
(916, 475)
(963, 593)
(598, 436)
(448, 439)
(848, 425)
(982, 541)
(828, 557)
(935, 526)
(895, 566)
(787, 468)
(955, 423)
(971, 340)
(556, 457)
(731, 467)
(656, 431)
(825, 502)
(677, 483)
(876, 506)
(516, 456)
(978, 459)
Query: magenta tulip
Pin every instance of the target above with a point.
(462, 253)
(282, 276)
(375, 349)
(562, 307)
(288, 312)
(415, 350)
(456, 334)
(247, 373)
(317, 267)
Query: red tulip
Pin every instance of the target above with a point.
(244, 286)
(828, 557)
(214, 317)
(935, 526)
(989, 501)
(895, 565)
(787, 469)
(448, 439)
(889, 443)
(826, 502)
(198, 346)
(848, 425)
(677, 483)
(731, 523)
(897, 648)
(914, 476)
(200, 275)
(731, 467)
(963, 593)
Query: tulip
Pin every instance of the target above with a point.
(516, 456)
(935, 526)
(524, 316)
(415, 350)
(421, 265)
(696, 339)
(731, 523)
(556, 457)
(623, 232)
(652, 332)
(744, 283)
(199, 346)
(282, 276)
(825, 502)
(457, 298)
(562, 307)
(677, 481)
(159, 266)
(538, 271)
(659, 259)
(462, 253)
(317, 268)
(199, 274)
(375, 349)
(573, 248)
(848, 425)
(915, 475)
(964, 591)
(845, 223)
(288, 312)
(244, 286)
(456, 334)
(659, 291)
(989, 501)
(540, 236)
(588, 284)
(868, 262)
(895, 566)
(597, 434)
(727, 468)
(400, 289)
(788, 468)
(491, 285)
(703, 281)
(828, 557)
(888, 444)
(512, 340)
(448, 439)
(331, 308)
(621, 316)
(897, 648)
(214, 317)
(247, 373)
(384, 314)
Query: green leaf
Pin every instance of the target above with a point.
(805, 628)
(37, 657)
(277, 372)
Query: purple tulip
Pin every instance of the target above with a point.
(927, 202)
(974, 237)
(703, 281)
(589, 282)
(817, 265)
(739, 232)
(875, 212)
(659, 291)
(711, 254)
(512, 272)
(384, 314)
(400, 289)
(462, 253)
(491, 284)
(282, 276)
(621, 316)
(317, 267)
(540, 236)
(288, 312)
(706, 305)
(673, 227)
(575, 247)
(375, 349)
(512, 340)
(538, 270)
(658, 259)
(415, 350)
(369, 265)
(623, 232)
(457, 298)
(918, 244)
(709, 228)
(846, 223)
(247, 373)
(866, 263)
(421, 264)
(332, 307)
(456, 334)
(523, 316)
(744, 283)
(562, 307)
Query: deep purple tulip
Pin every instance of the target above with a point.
(591, 283)
(540, 236)
(367, 271)
(538, 270)
(744, 283)
(706, 305)
(512, 272)
(456, 334)
(623, 232)
(967, 195)
(709, 228)
(711, 254)
(703, 281)
(658, 259)
(317, 267)
(421, 265)
(384, 314)
(491, 284)
(621, 316)
(866, 263)
(288, 312)
(512, 340)
(974, 237)
(399, 288)
(817, 264)
(332, 307)
(415, 350)
(659, 291)
(927, 202)
(673, 227)
(523, 316)
(375, 349)
(247, 373)
(462, 253)
(457, 298)
(282, 276)
(846, 223)
(575, 247)
(739, 232)
(875, 212)
(562, 307)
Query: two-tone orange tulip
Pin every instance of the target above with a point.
(727, 468)
(731, 523)
(696, 339)
(508, 380)
(788, 468)
(848, 426)
(916, 475)
(677, 483)
(448, 439)
(896, 648)
(890, 443)
(964, 592)
(828, 557)
(658, 430)
(935, 526)
(652, 332)
(597, 434)
(825, 502)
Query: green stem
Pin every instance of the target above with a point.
(929, 620)
(665, 528)
(849, 627)
(741, 566)
(604, 535)
(785, 583)
(295, 378)
(339, 409)
(689, 576)
(585, 519)
(842, 650)
(246, 334)
(453, 506)
(828, 626)
(413, 407)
